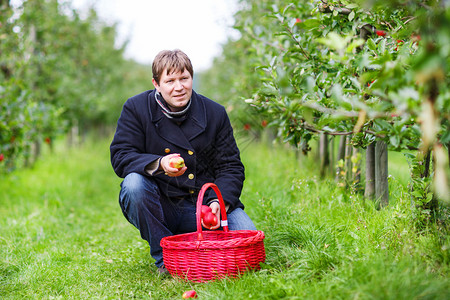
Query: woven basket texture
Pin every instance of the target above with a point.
(220, 254)
(210, 255)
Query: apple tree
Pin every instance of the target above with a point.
(374, 72)
(58, 71)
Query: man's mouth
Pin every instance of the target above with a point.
(179, 96)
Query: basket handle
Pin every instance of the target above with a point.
(223, 211)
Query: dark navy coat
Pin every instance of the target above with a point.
(205, 140)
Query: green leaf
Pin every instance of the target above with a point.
(445, 138)
(371, 44)
(310, 84)
(382, 46)
(292, 23)
(310, 23)
(275, 8)
(351, 16)
(334, 41)
(382, 125)
(351, 5)
(395, 141)
(308, 114)
(417, 194)
(354, 44)
(287, 7)
(356, 83)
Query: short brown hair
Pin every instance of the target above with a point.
(172, 61)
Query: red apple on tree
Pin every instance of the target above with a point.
(2, 157)
(380, 32)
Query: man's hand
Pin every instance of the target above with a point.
(168, 170)
(215, 209)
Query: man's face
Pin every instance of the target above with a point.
(176, 88)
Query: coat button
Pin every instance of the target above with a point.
(167, 150)
(190, 152)
(191, 176)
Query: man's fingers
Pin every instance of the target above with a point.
(215, 207)
(171, 171)
(175, 172)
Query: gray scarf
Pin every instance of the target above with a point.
(176, 116)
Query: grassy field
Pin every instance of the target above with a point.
(63, 236)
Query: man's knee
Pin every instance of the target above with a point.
(239, 220)
(132, 184)
(136, 187)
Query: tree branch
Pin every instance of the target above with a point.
(325, 8)
(298, 43)
(266, 42)
(313, 129)
(347, 114)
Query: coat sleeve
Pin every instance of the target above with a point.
(128, 145)
(229, 171)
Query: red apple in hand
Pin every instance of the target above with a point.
(205, 209)
(190, 294)
(176, 162)
(209, 220)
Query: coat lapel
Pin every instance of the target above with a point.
(179, 135)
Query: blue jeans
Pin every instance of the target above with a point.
(156, 217)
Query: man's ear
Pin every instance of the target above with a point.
(155, 84)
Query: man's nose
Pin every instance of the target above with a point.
(178, 85)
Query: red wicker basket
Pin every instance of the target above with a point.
(209, 255)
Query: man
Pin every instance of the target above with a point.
(170, 121)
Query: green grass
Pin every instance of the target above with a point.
(63, 236)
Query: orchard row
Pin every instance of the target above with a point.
(58, 71)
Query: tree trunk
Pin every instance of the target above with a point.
(356, 170)
(5, 9)
(426, 163)
(317, 153)
(73, 139)
(340, 159)
(36, 151)
(324, 155)
(433, 204)
(381, 174)
(348, 162)
(331, 156)
(448, 151)
(369, 192)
